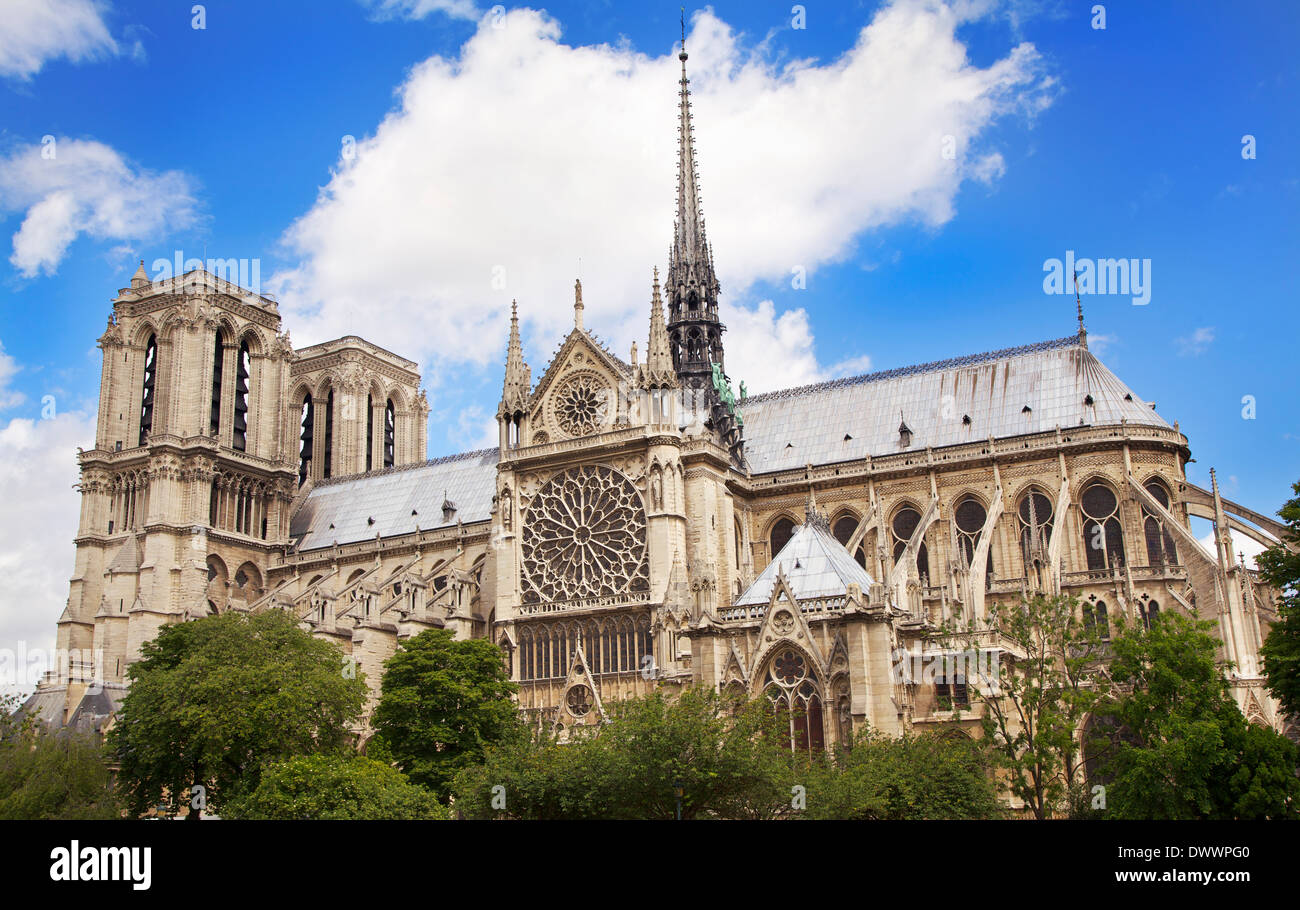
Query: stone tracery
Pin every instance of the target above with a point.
(585, 538)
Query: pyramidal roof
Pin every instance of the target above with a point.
(814, 564)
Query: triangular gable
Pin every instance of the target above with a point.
(580, 675)
(579, 341)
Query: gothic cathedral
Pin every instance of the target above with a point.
(640, 524)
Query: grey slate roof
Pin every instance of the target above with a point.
(785, 429)
(815, 565)
(391, 496)
(795, 427)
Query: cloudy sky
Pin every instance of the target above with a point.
(402, 169)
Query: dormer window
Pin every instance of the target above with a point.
(965, 419)
(904, 435)
(1026, 410)
(1087, 401)
(448, 510)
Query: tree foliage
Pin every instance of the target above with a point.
(914, 776)
(214, 700)
(717, 751)
(331, 787)
(442, 703)
(1181, 748)
(1280, 568)
(52, 775)
(1044, 688)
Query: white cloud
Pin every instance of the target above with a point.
(475, 429)
(418, 9)
(499, 170)
(1240, 544)
(8, 370)
(85, 187)
(36, 31)
(1099, 344)
(1195, 343)
(38, 467)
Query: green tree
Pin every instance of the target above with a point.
(1034, 706)
(212, 701)
(915, 776)
(331, 787)
(442, 703)
(1279, 566)
(52, 775)
(718, 751)
(1180, 747)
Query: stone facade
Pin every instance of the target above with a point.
(639, 524)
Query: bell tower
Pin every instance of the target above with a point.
(187, 490)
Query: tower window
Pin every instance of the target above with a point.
(243, 371)
(390, 435)
(327, 463)
(370, 432)
(304, 450)
(218, 355)
(147, 388)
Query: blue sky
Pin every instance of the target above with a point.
(549, 141)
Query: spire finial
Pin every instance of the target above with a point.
(577, 304)
(1078, 302)
(518, 378)
(682, 55)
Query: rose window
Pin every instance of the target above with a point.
(789, 667)
(585, 537)
(581, 405)
(579, 700)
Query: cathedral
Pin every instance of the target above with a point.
(641, 523)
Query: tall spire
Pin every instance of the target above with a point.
(693, 325)
(518, 383)
(659, 372)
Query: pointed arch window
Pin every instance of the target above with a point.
(218, 365)
(1034, 513)
(1103, 536)
(1161, 550)
(795, 701)
(970, 516)
(243, 373)
(305, 439)
(327, 461)
(370, 431)
(147, 387)
(780, 535)
(903, 527)
(390, 434)
(844, 529)
(1095, 619)
(1148, 612)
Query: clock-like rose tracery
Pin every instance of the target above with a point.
(584, 537)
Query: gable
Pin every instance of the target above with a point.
(578, 394)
